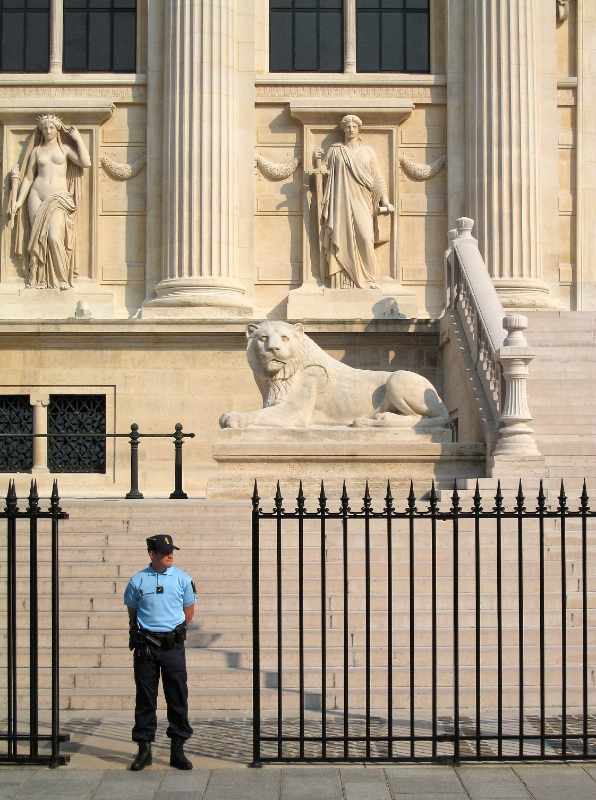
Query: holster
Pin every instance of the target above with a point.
(180, 632)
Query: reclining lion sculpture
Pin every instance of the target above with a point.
(302, 386)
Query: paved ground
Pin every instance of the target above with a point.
(520, 782)
(101, 751)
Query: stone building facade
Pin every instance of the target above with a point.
(199, 211)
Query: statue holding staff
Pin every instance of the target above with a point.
(354, 194)
(51, 180)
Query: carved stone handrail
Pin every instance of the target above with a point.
(501, 359)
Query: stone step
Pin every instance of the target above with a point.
(240, 700)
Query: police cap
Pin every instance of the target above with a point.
(161, 543)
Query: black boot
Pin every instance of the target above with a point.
(143, 758)
(177, 757)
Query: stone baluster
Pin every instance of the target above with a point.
(199, 152)
(40, 405)
(503, 146)
(516, 451)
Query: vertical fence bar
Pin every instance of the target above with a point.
(33, 509)
(11, 618)
(367, 510)
(256, 634)
(388, 513)
(323, 512)
(433, 517)
(455, 510)
(278, 514)
(584, 512)
(178, 493)
(134, 493)
(498, 511)
(300, 511)
(55, 511)
(412, 654)
(477, 510)
(562, 510)
(345, 510)
(520, 509)
(541, 509)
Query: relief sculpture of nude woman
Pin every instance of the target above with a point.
(51, 181)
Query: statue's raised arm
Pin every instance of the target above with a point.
(51, 182)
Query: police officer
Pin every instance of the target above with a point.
(161, 601)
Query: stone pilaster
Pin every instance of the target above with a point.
(503, 146)
(199, 150)
(40, 405)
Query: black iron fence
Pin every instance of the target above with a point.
(18, 741)
(439, 633)
(77, 446)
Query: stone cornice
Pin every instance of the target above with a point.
(185, 334)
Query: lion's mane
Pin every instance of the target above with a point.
(307, 354)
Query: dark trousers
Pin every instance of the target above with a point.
(172, 666)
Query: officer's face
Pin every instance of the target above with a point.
(161, 561)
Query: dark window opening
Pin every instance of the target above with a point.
(393, 35)
(25, 35)
(306, 36)
(100, 36)
(84, 415)
(16, 416)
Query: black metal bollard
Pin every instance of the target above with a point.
(134, 493)
(178, 493)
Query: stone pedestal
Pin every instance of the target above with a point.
(337, 454)
(20, 302)
(391, 301)
(199, 152)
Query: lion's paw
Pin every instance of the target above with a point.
(231, 419)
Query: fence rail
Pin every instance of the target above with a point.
(134, 436)
(439, 634)
(12, 514)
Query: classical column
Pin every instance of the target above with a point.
(199, 151)
(40, 425)
(503, 146)
(350, 36)
(56, 25)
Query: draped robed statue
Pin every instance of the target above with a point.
(51, 181)
(353, 196)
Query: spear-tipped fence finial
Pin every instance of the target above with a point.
(11, 498)
(55, 499)
(584, 499)
(33, 507)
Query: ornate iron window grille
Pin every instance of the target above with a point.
(83, 414)
(16, 416)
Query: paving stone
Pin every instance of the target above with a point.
(561, 782)
(424, 780)
(310, 783)
(249, 784)
(61, 784)
(183, 785)
(487, 783)
(125, 785)
(365, 784)
(11, 780)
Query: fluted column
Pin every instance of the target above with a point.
(199, 150)
(503, 146)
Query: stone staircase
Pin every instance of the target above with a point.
(103, 543)
(562, 392)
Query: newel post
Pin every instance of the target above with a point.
(516, 452)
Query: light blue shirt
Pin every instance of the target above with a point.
(160, 598)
